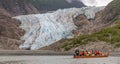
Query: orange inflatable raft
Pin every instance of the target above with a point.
(102, 56)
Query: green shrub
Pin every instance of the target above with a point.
(66, 44)
(117, 45)
(110, 35)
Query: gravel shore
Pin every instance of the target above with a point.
(56, 60)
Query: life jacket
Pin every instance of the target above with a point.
(81, 52)
(85, 52)
(95, 53)
(99, 52)
(91, 51)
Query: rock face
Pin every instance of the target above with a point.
(111, 12)
(107, 16)
(45, 29)
(23, 7)
(84, 25)
(18, 7)
(51, 5)
(10, 32)
(104, 18)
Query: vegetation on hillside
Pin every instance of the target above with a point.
(110, 35)
(116, 6)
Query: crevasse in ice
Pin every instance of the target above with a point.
(45, 29)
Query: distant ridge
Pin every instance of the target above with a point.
(23, 7)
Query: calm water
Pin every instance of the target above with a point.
(56, 60)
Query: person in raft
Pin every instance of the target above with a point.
(87, 53)
(77, 51)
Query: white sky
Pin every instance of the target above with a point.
(96, 2)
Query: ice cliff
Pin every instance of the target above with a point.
(45, 29)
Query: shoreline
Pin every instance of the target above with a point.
(56, 60)
(42, 52)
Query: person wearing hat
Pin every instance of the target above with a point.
(77, 51)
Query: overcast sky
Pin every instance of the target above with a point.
(96, 2)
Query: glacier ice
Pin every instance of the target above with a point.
(45, 29)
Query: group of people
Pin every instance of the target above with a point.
(88, 53)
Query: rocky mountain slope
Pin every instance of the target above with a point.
(10, 33)
(105, 30)
(18, 7)
(22, 7)
(45, 29)
(44, 5)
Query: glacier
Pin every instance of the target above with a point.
(47, 28)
